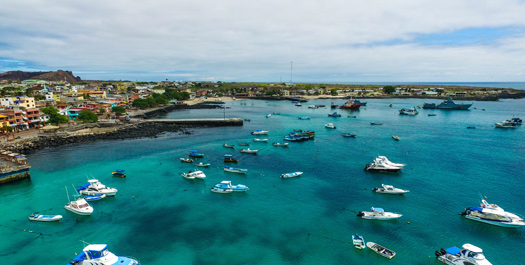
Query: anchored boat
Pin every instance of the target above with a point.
(235, 170)
(358, 241)
(94, 187)
(469, 255)
(45, 218)
(379, 214)
(98, 254)
(385, 252)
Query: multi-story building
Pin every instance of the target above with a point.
(33, 117)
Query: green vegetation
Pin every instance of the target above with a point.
(118, 110)
(54, 117)
(389, 89)
(87, 116)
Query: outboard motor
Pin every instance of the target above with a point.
(374, 189)
(360, 214)
(437, 253)
(443, 252)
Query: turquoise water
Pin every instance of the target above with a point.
(161, 218)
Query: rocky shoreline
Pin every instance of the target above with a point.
(118, 132)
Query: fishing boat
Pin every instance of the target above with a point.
(448, 104)
(98, 254)
(119, 173)
(197, 174)
(358, 241)
(195, 153)
(260, 132)
(280, 144)
(228, 145)
(229, 158)
(79, 206)
(410, 111)
(235, 170)
(469, 255)
(244, 144)
(376, 123)
(96, 187)
(329, 125)
(385, 252)
(335, 114)
(304, 118)
(350, 104)
(260, 140)
(45, 218)
(249, 151)
(395, 137)
(493, 214)
(291, 175)
(346, 134)
(200, 164)
(389, 189)
(94, 197)
(379, 214)
(186, 160)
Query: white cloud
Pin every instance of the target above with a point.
(255, 41)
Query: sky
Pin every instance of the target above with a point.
(306, 41)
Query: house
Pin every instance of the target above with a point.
(26, 102)
(32, 117)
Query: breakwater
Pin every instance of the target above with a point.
(163, 110)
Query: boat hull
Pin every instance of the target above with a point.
(496, 223)
(45, 218)
(77, 212)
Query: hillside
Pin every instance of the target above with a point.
(59, 75)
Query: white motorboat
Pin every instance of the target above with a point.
(395, 137)
(96, 187)
(80, 207)
(45, 218)
(235, 170)
(298, 104)
(389, 189)
(268, 115)
(194, 175)
(382, 166)
(249, 151)
(494, 215)
(505, 125)
(291, 175)
(410, 111)
(260, 132)
(379, 214)
(280, 144)
(200, 164)
(329, 125)
(228, 145)
(260, 140)
(98, 254)
(385, 160)
(469, 255)
(385, 252)
(358, 241)
(312, 107)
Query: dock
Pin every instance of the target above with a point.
(13, 167)
(211, 122)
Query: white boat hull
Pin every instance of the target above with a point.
(90, 193)
(379, 216)
(512, 224)
(78, 212)
(46, 218)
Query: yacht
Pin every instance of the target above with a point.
(194, 175)
(379, 214)
(98, 254)
(329, 125)
(389, 189)
(96, 187)
(469, 255)
(383, 166)
(385, 160)
(80, 206)
(493, 214)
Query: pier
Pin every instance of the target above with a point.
(211, 122)
(13, 167)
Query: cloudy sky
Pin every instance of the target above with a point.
(233, 40)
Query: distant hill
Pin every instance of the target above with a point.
(49, 76)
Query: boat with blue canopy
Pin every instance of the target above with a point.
(195, 153)
(304, 118)
(119, 173)
(335, 114)
(229, 158)
(226, 187)
(98, 254)
(469, 255)
(235, 170)
(94, 197)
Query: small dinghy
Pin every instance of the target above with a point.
(376, 123)
(348, 135)
(195, 153)
(385, 252)
(291, 175)
(203, 164)
(229, 158)
(359, 241)
(262, 132)
(329, 125)
(94, 197)
(186, 160)
(45, 218)
(235, 170)
(194, 175)
(228, 145)
(249, 151)
(335, 114)
(280, 144)
(244, 144)
(260, 140)
(395, 137)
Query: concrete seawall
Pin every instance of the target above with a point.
(200, 122)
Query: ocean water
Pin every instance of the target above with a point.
(161, 218)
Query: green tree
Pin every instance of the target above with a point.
(87, 116)
(333, 92)
(118, 110)
(389, 89)
(140, 103)
(54, 117)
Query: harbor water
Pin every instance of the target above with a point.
(163, 219)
